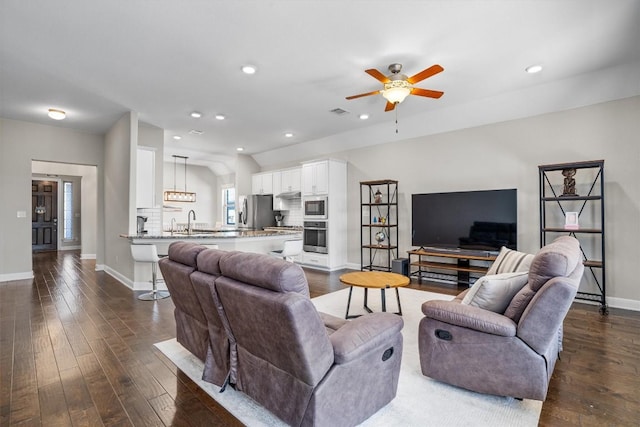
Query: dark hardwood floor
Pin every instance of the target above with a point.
(76, 349)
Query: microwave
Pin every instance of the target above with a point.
(315, 207)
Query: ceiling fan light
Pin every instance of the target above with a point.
(396, 95)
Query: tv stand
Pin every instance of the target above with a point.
(450, 265)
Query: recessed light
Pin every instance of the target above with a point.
(533, 69)
(196, 132)
(249, 69)
(240, 149)
(177, 137)
(363, 116)
(196, 114)
(56, 114)
(288, 135)
(220, 117)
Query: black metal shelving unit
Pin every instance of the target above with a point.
(375, 255)
(589, 177)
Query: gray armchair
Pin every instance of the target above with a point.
(511, 353)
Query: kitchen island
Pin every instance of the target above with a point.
(258, 241)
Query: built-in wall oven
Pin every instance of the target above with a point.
(315, 207)
(314, 236)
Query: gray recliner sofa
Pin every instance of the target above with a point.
(511, 353)
(306, 367)
(191, 323)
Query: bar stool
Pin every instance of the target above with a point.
(290, 249)
(149, 253)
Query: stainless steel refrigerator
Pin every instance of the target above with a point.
(256, 212)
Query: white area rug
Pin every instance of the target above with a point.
(420, 401)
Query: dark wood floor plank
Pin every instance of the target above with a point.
(172, 413)
(76, 393)
(7, 329)
(137, 407)
(108, 404)
(53, 407)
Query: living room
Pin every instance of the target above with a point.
(465, 146)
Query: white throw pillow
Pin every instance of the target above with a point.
(510, 261)
(495, 292)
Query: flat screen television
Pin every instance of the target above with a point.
(477, 220)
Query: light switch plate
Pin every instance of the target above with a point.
(22, 214)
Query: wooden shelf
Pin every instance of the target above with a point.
(450, 267)
(453, 254)
(381, 204)
(570, 198)
(380, 246)
(573, 165)
(379, 182)
(460, 262)
(592, 263)
(565, 230)
(380, 225)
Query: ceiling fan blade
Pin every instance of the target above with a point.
(390, 106)
(377, 75)
(375, 92)
(426, 92)
(433, 70)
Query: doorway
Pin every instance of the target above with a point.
(44, 216)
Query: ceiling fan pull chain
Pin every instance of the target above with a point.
(396, 118)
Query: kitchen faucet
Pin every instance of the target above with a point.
(173, 225)
(189, 230)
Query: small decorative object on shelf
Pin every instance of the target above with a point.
(380, 236)
(571, 221)
(377, 196)
(569, 183)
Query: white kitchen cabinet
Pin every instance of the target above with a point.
(285, 181)
(315, 178)
(145, 178)
(315, 259)
(262, 183)
(277, 189)
(291, 180)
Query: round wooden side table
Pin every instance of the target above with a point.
(374, 280)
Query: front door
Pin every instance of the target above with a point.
(44, 216)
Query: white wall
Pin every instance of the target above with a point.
(20, 143)
(507, 155)
(88, 199)
(120, 149)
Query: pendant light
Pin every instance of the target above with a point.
(179, 196)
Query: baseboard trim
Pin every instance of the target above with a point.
(26, 275)
(69, 248)
(623, 303)
(87, 256)
(119, 277)
(99, 267)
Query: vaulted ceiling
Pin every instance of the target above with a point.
(165, 59)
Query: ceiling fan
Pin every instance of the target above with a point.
(398, 86)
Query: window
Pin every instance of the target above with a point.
(229, 206)
(67, 202)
